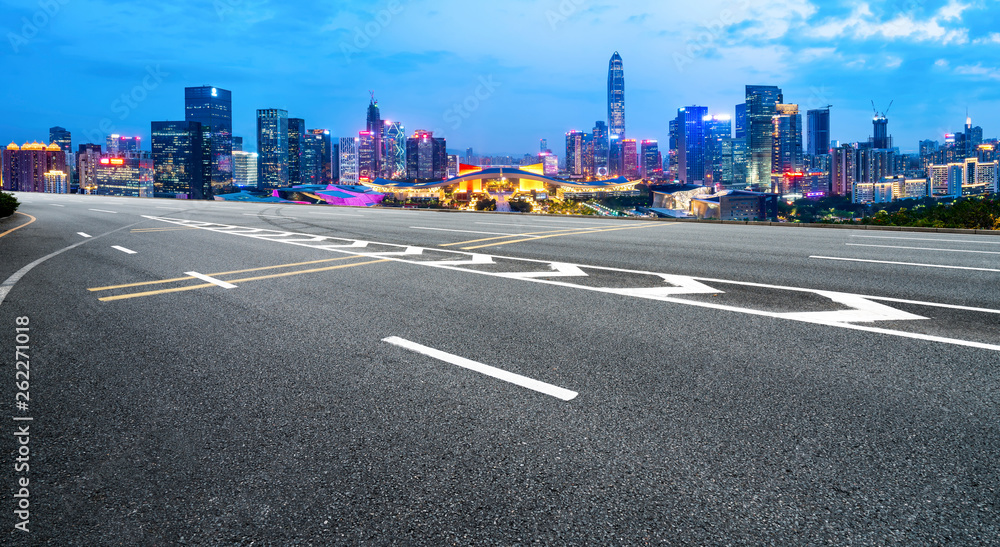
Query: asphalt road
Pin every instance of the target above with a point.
(216, 373)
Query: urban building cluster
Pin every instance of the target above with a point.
(764, 147)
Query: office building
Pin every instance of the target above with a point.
(87, 158)
(741, 121)
(329, 173)
(691, 140)
(311, 165)
(652, 162)
(818, 131)
(616, 97)
(426, 157)
(212, 107)
(630, 159)
(272, 148)
(24, 167)
(575, 152)
(599, 138)
(245, 169)
(179, 166)
(786, 139)
(367, 156)
(348, 160)
(718, 128)
(296, 141)
(130, 174)
(761, 106)
(56, 182)
(237, 145)
(394, 156)
(374, 127)
(118, 144)
(843, 170)
(616, 167)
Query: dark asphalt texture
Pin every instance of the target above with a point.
(273, 413)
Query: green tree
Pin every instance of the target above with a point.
(8, 204)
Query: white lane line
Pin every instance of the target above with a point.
(211, 280)
(904, 263)
(105, 211)
(493, 372)
(84, 235)
(935, 240)
(575, 227)
(178, 208)
(337, 215)
(56, 205)
(923, 249)
(464, 231)
(267, 216)
(124, 250)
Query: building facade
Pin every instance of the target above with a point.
(348, 160)
(616, 97)
(179, 160)
(761, 106)
(272, 148)
(24, 167)
(212, 107)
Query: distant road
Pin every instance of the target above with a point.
(219, 373)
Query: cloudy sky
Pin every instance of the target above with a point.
(496, 76)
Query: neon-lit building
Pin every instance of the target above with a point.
(118, 144)
(394, 155)
(327, 173)
(690, 141)
(87, 157)
(296, 145)
(630, 158)
(787, 139)
(367, 156)
(56, 182)
(761, 106)
(616, 97)
(652, 162)
(426, 157)
(24, 167)
(131, 175)
(599, 137)
(576, 150)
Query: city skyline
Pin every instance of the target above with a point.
(932, 59)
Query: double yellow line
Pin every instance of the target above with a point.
(541, 235)
(233, 281)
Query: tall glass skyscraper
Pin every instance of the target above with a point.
(787, 148)
(348, 160)
(373, 164)
(296, 142)
(761, 106)
(652, 163)
(691, 139)
(575, 150)
(328, 174)
(819, 131)
(178, 159)
(212, 107)
(616, 97)
(311, 164)
(272, 148)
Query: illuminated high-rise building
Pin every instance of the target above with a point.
(179, 159)
(575, 152)
(543, 146)
(311, 164)
(630, 159)
(375, 127)
(616, 166)
(787, 139)
(426, 156)
(741, 121)
(652, 163)
(237, 145)
(130, 174)
(394, 146)
(64, 139)
(761, 106)
(24, 167)
(348, 160)
(616, 97)
(118, 144)
(328, 173)
(818, 121)
(245, 169)
(87, 158)
(212, 107)
(367, 156)
(600, 144)
(692, 167)
(843, 170)
(272, 148)
(296, 142)
(56, 182)
(718, 129)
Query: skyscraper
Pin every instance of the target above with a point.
(118, 144)
(616, 97)
(348, 160)
(64, 139)
(616, 167)
(575, 150)
(787, 139)
(131, 175)
(761, 106)
(652, 166)
(178, 159)
(24, 167)
(87, 158)
(881, 140)
(718, 129)
(237, 146)
(328, 174)
(819, 131)
(394, 158)
(311, 164)
(375, 127)
(272, 148)
(426, 156)
(691, 140)
(741, 121)
(296, 141)
(367, 156)
(630, 159)
(245, 169)
(212, 107)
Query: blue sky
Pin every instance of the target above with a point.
(523, 70)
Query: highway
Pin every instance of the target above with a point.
(226, 373)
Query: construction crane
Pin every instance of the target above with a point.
(884, 114)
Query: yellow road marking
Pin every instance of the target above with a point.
(194, 287)
(21, 226)
(554, 235)
(508, 236)
(176, 279)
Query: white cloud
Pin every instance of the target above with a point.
(893, 62)
(863, 24)
(991, 73)
(993, 38)
(941, 63)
